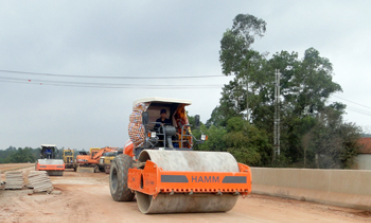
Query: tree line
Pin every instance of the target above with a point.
(24, 155)
(20, 155)
(313, 132)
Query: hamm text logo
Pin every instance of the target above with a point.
(205, 179)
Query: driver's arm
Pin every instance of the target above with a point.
(168, 122)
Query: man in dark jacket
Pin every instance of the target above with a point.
(163, 119)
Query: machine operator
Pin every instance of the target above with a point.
(163, 119)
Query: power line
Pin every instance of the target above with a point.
(99, 85)
(352, 102)
(109, 77)
(356, 110)
(106, 84)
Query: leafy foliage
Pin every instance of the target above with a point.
(246, 142)
(20, 155)
(333, 142)
(313, 133)
(23, 155)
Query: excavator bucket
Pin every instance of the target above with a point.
(188, 181)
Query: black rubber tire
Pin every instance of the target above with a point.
(96, 169)
(107, 169)
(118, 178)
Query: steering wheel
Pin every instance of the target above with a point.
(160, 129)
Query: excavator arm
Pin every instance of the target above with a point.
(102, 151)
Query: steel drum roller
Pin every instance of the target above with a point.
(188, 161)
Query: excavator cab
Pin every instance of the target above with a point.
(94, 151)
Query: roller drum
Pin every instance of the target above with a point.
(182, 203)
(189, 161)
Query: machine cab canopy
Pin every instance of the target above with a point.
(170, 105)
(48, 151)
(176, 129)
(68, 152)
(94, 151)
(164, 100)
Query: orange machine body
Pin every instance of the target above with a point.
(129, 148)
(152, 180)
(94, 157)
(50, 167)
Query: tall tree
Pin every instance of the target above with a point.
(236, 56)
(333, 142)
(305, 86)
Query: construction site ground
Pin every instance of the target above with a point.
(85, 197)
(14, 166)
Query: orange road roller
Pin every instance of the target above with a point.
(162, 171)
(48, 161)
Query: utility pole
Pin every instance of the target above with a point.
(247, 100)
(277, 117)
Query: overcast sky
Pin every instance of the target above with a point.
(155, 38)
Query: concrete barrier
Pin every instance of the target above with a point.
(81, 169)
(345, 188)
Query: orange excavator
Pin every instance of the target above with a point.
(92, 160)
(159, 167)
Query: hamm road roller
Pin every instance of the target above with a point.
(160, 169)
(48, 162)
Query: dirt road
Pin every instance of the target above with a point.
(86, 198)
(14, 166)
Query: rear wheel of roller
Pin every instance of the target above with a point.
(183, 203)
(55, 173)
(118, 179)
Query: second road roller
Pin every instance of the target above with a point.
(162, 171)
